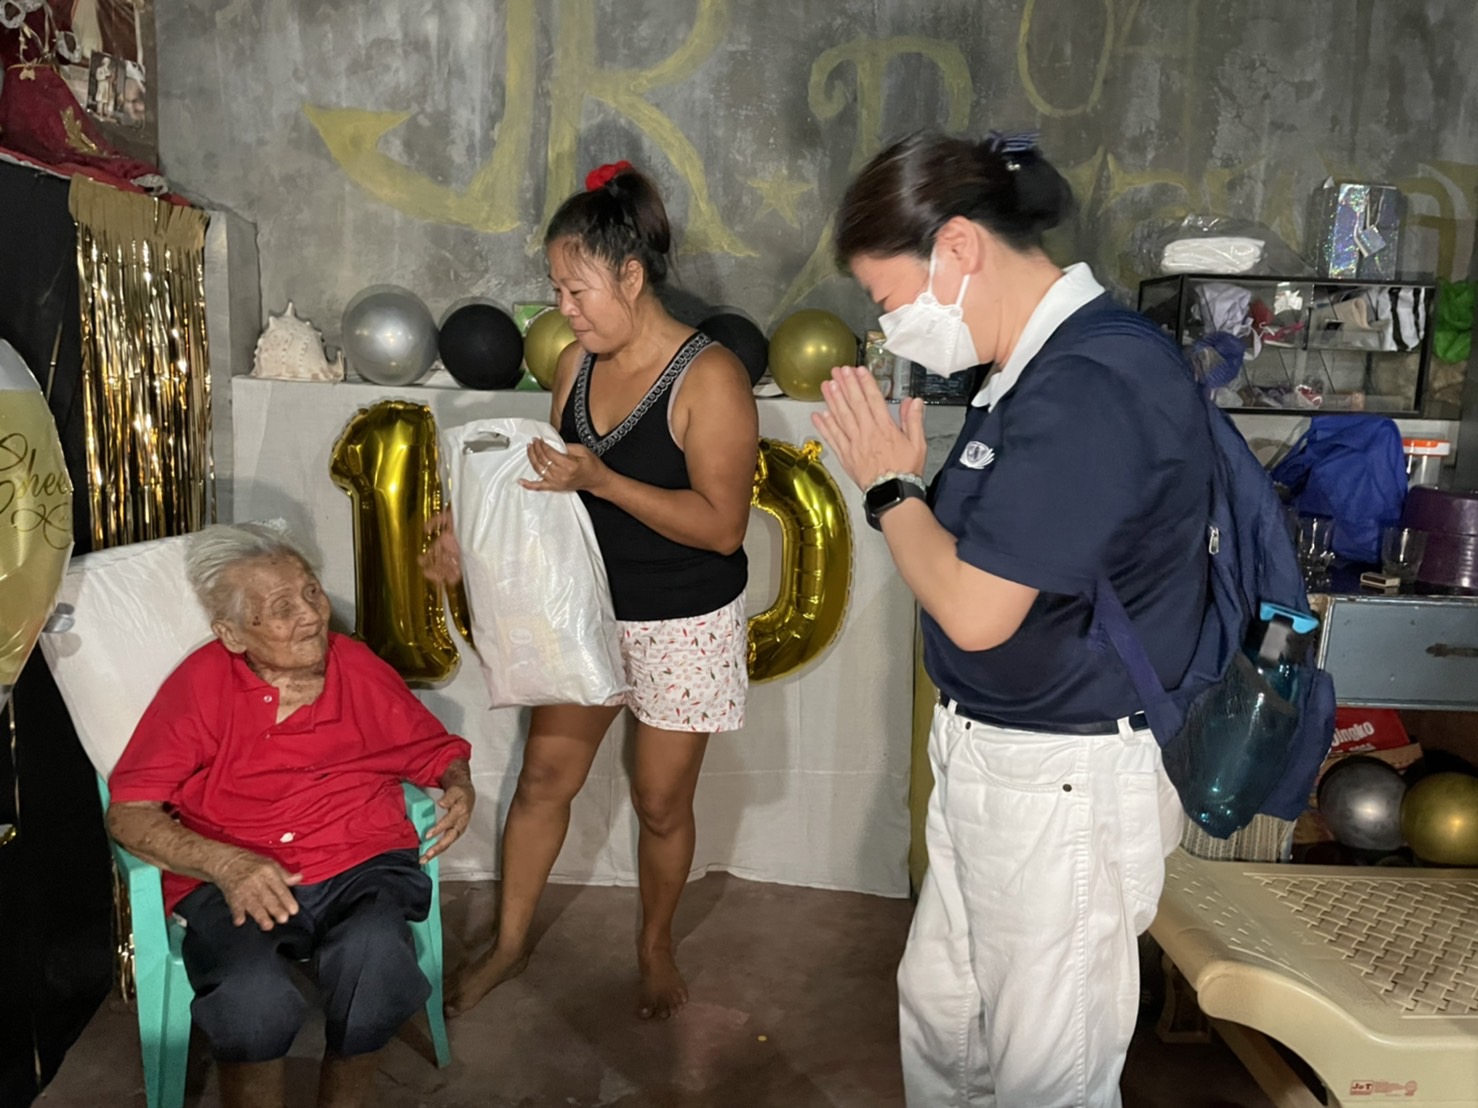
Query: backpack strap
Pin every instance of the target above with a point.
(1111, 624)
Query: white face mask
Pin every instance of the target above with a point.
(930, 333)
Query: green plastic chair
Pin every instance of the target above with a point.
(163, 988)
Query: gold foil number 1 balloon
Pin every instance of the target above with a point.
(35, 515)
(385, 459)
(791, 484)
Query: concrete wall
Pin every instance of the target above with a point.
(426, 143)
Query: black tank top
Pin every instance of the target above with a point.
(651, 576)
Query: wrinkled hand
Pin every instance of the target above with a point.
(458, 800)
(442, 562)
(862, 433)
(257, 887)
(574, 470)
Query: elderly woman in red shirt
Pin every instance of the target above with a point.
(264, 779)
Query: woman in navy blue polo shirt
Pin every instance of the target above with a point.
(1084, 458)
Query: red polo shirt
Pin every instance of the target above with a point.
(318, 793)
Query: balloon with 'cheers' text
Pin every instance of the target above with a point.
(35, 515)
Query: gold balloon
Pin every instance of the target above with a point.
(791, 484)
(35, 515)
(1439, 819)
(543, 343)
(806, 348)
(386, 461)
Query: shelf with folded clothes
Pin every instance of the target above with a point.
(1299, 344)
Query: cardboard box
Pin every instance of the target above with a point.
(1362, 730)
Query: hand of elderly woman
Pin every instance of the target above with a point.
(442, 562)
(458, 798)
(257, 887)
(861, 431)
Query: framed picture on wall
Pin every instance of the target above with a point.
(111, 79)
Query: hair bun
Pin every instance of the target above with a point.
(1043, 196)
(1040, 197)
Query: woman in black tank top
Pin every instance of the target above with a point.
(662, 434)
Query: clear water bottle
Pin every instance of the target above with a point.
(1240, 735)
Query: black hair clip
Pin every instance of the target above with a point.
(1009, 146)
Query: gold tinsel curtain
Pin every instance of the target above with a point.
(146, 370)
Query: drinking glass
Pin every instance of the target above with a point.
(1315, 549)
(1401, 550)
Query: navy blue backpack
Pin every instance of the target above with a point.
(1252, 560)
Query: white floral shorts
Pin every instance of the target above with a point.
(689, 674)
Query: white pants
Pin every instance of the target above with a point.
(1019, 987)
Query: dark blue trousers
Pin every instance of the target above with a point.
(353, 929)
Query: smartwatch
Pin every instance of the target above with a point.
(889, 494)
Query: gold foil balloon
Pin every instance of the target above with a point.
(806, 348)
(543, 343)
(35, 515)
(1439, 819)
(791, 484)
(385, 459)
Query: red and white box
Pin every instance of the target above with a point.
(1364, 730)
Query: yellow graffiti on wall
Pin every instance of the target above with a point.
(869, 60)
(1119, 18)
(579, 74)
(1453, 188)
(1100, 65)
(1115, 197)
(491, 202)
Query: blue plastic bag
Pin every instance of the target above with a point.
(1351, 469)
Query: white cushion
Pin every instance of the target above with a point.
(135, 620)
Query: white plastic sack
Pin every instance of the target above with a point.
(1212, 254)
(542, 618)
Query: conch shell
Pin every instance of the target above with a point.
(291, 349)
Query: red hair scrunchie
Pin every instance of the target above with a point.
(599, 178)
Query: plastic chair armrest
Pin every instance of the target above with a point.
(419, 807)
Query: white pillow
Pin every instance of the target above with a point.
(135, 619)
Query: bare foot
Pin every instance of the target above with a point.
(483, 976)
(663, 992)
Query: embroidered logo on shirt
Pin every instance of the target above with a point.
(977, 455)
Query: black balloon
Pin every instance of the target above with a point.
(481, 347)
(746, 341)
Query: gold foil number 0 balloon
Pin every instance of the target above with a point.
(35, 515)
(791, 484)
(385, 459)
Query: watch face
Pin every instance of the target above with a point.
(884, 495)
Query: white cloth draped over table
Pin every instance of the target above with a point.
(812, 792)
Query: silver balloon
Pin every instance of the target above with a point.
(1360, 800)
(389, 336)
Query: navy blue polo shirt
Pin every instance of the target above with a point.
(1096, 463)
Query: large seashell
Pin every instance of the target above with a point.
(291, 349)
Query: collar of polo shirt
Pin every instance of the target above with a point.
(1075, 288)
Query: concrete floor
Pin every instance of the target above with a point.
(792, 1006)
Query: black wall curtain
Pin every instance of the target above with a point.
(56, 892)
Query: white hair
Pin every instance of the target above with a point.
(215, 549)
